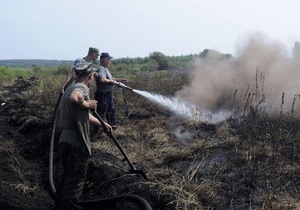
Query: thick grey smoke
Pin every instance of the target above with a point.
(262, 68)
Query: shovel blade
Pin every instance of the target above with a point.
(141, 172)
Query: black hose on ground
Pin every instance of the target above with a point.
(132, 198)
(54, 119)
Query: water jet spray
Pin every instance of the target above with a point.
(184, 109)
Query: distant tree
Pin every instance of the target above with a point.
(161, 59)
(205, 53)
(64, 68)
(151, 65)
(181, 62)
(36, 68)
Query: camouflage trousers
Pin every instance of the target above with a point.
(72, 182)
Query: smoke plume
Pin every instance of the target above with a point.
(261, 68)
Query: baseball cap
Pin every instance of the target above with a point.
(105, 55)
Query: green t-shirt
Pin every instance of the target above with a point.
(74, 121)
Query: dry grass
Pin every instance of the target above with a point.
(250, 162)
(24, 188)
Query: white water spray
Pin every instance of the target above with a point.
(185, 110)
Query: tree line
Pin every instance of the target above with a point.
(159, 61)
(155, 61)
(33, 62)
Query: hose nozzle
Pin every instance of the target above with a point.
(120, 84)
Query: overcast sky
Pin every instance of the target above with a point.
(65, 29)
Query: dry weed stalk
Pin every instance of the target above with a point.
(293, 104)
(281, 106)
(24, 188)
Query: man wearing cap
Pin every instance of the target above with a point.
(104, 89)
(92, 55)
(74, 141)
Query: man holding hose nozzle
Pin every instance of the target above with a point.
(104, 91)
(75, 142)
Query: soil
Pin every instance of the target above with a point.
(24, 154)
(220, 162)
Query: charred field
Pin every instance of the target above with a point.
(245, 162)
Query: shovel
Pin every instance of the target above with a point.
(110, 134)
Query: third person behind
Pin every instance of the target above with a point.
(92, 55)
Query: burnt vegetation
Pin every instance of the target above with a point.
(250, 161)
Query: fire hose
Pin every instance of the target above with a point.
(132, 198)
